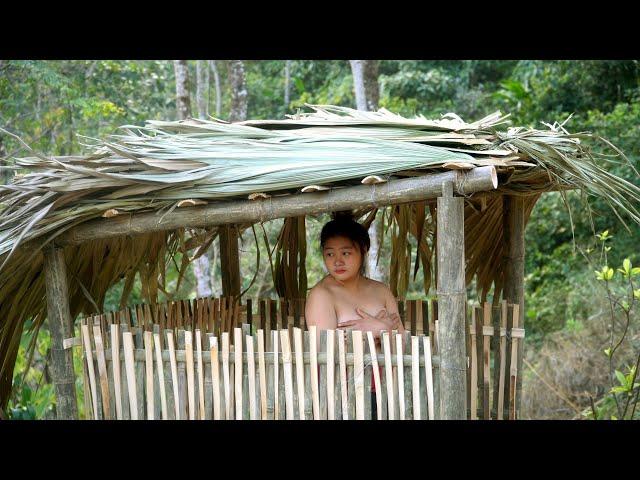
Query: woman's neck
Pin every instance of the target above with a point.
(352, 284)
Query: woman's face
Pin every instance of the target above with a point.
(342, 257)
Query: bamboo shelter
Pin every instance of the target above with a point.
(72, 227)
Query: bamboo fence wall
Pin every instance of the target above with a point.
(215, 359)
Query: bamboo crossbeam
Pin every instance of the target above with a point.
(181, 356)
(405, 190)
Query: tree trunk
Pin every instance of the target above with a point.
(202, 88)
(202, 265)
(183, 101)
(229, 254)
(365, 81)
(287, 82)
(239, 92)
(216, 80)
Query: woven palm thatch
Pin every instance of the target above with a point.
(166, 165)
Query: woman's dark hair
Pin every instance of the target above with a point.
(343, 225)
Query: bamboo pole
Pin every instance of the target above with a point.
(452, 298)
(405, 190)
(513, 208)
(60, 327)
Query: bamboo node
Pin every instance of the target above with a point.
(112, 212)
(190, 202)
(256, 195)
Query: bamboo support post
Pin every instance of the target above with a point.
(60, 327)
(513, 208)
(452, 298)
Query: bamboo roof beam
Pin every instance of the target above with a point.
(250, 211)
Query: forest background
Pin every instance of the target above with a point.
(51, 105)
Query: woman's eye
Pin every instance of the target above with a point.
(347, 254)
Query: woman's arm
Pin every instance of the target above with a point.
(319, 310)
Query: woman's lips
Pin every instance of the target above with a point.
(339, 271)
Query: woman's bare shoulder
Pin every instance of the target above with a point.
(319, 290)
(379, 287)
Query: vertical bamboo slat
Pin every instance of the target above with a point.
(474, 367)
(514, 365)
(299, 357)
(503, 353)
(358, 372)
(486, 334)
(351, 396)
(200, 365)
(287, 368)
(386, 347)
(215, 377)
(342, 359)
(270, 380)
(102, 372)
(183, 389)
(331, 375)
(161, 380)
(174, 375)
(276, 375)
(127, 343)
(400, 370)
(415, 376)
(313, 355)
(408, 397)
(148, 370)
(262, 374)
(251, 370)
(322, 379)
(115, 362)
(226, 375)
(191, 381)
(376, 374)
(92, 374)
(428, 377)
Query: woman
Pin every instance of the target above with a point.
(345, 298)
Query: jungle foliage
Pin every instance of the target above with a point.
(51, 105)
